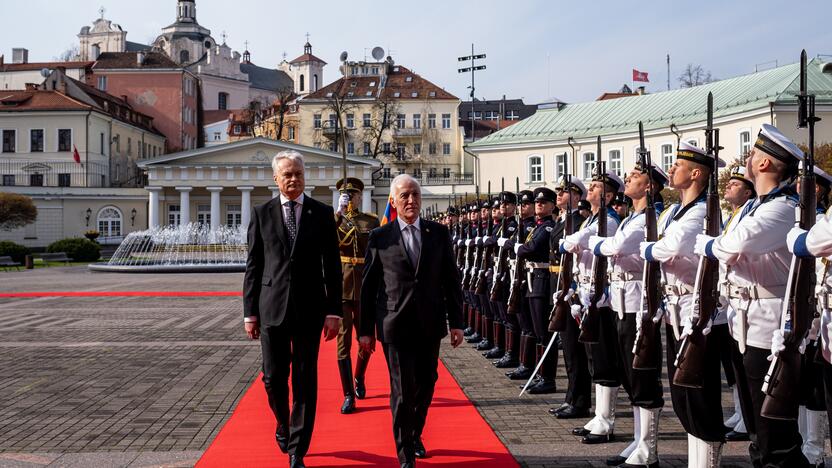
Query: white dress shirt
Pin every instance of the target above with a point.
(406, 233)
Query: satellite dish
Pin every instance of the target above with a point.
(344, 56)
(378, 53)
(44, 72)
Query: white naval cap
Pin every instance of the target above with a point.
(823, 177)
(696, 154)
(658, 174)
(574, 184)
(772, 141)
(610, 178)
(740, 174)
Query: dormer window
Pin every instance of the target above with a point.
(397, 94)
(432, 94)
(328, 94)
(353, 84)
(409, 79)
(396, 69)
(350, 94)
(369, 93)
(372, 83)
(414, 94)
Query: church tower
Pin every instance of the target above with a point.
(186, 11)
(307, 71)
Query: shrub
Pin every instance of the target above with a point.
(77, 248)
(16, 251)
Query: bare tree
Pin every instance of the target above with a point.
(383, 111)
(71, 54)
(284, 98)
(338, 105)
(694, 75)
(267, 118)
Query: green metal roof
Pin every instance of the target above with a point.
(682, 106)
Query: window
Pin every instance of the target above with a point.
(446, 120)
(350, 148)
(446, 149)
(745, 143)
(589, 165)
(217, 136)
(400, 151)
(350, 120)
(615, 161)
(417, 173)
(102, 83)
(366, 120)
(173, 215)
(36, 180)
(353, 70)
(365, 70)
(535, 169)
(492, 115)
(203, 214)
(333, 146)
(409, 78)
(417, 148)
(400, 118)
(237, 129)
(414, 94)
(233, 215)
(332, 120)
(63, 180)
(101, 144)
(385, 173)
(512, 115)
(372, 84)
(316, 120)
(432, 94)
(291, 133)
(129, 146)
(65, 139)
(397, 94)
(366, 148)
(314, 83)
(9, 140)
(432, 149)
(386, 148)
(184, 56)
(301, 83)
(560, 166)
(8, 179)
(369, 93)
(432, 172)
(222, 101)
(417, 120)
(446, 172)
(667, 156)
(109, 221)
(374, 70)
(477, 115)
(431, 120)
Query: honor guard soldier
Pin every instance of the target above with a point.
(353, 233)
(738, 191)
(502, 213)
(605, 367)
(643, 387)
(757, 262)
(474, 230)
(578, 391)
(535, 252)
(482, 280)
(527, 347)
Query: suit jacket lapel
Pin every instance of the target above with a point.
(398, 238)
(425, 231)
(305, 217)
(279, 225)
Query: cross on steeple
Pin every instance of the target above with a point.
(246, 43)
(224, 37)
(307, 37)
(101, 11)
(284, 55)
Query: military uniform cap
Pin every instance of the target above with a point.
(485, 203)
(508, 197)
(526, 196)
(574, 184)
(619, 199)
(693, 153)
(823, 178)
(544, 194)
(738, 173)
(772, 142)
(584, 205)
(610, 178)
(658, 174)
(353, 185)
(452, 211)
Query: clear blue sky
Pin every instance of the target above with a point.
(572, 50)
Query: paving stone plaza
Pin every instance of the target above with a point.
(149, 381)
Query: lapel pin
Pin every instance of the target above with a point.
(427, 230)
(308, 211)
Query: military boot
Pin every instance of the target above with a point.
(345, 369)
(510, 358)
(499, 341)
(360, 372)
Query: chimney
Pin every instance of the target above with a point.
(20, 55)
(124, 97)
(2, 57)
(640, 91)
(140, 56)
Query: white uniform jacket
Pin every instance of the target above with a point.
(578, 243)
(625, 264)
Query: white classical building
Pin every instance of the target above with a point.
(219, 184)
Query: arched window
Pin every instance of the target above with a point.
(301, 83)
(314, 83)
(184, 56)
(109, 221)
(96, 51)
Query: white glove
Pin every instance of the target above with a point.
(576, 310)
(659, 314)
(791, 237)
(469, 242)
(701, 241)
(778, 343)
(586, 298)
(642, 249)
(516, 248)
(562, 245)
(460, 243)
(687, 324)
(594, 241)
(486, 240)
(566, 297)
(502, 241)
(343, 201)
(478, 241)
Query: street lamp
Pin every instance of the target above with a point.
(89, 213)
(133, 217)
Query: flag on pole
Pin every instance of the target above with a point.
(390, 214)
(640, 76)
(75, 155)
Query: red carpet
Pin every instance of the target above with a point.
(122, 294)
(456, 435)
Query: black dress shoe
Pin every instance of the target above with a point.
(296, 461)
(521, 373)
(349, 404)
(627, 465)
(616, 460)
(407, 465)
(495, 353)
(475, 338)
(543, 386)
(419, 448)
(484, 345)
(734, 436)
(580, 432)
(281, 436)
(468, 331)
(554, 411)
(593, 439)
(506, 362)
(360, 389)
(573, 413)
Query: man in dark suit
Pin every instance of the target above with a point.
(291, 291)
(410, 296)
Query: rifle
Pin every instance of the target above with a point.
(561, 311)
(591, 321)
(514, 293)
(783, 377)
(646, 354)
(460, 232)
(496, 292)
(485, 258)
(690, 362)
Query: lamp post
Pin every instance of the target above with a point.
(89, 213)
(133, 217)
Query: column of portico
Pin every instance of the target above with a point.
(307, 190)
(215, 206)
(245, 205)
(184, 205)
(366, 199)
(336, 194)
(275, 191)
(153, 206)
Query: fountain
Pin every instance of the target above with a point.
(191, 248)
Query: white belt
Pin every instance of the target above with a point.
(678, 290)
(624, 276)
(537, 265)
(585, 279)
(755, 292)
(825, 300)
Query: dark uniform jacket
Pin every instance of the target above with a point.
(353, 235)
(554, 238)
(536, 249)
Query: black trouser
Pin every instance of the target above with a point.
(699, 409)
(827, 385)
(577, 366)
(282, 347)
(812, 391)
(413, 376)
(539, 308)
(773, 442)
(604, 362)
(644, 387)
(720, 336)
(524, 318)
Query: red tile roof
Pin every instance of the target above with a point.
(307, 58)
(214, 116)
(12, 67)
(121, 60)
(39, 100)
(396, 87)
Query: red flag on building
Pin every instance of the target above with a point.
(640, 76)
(75, 155)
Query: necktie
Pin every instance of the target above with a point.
(413, 246)
(291, 222)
